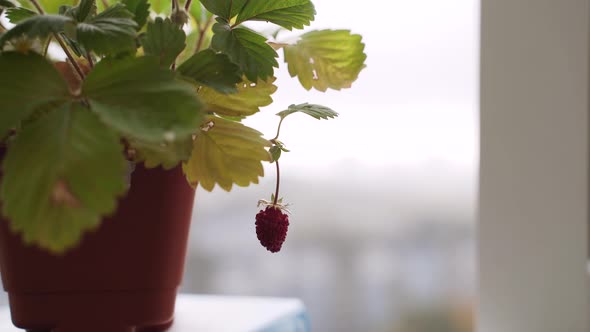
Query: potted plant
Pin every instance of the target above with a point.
(101, 152)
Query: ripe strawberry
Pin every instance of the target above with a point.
(271, 227)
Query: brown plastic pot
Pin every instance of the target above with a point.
(123, 277)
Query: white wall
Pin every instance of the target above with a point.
(534, 166)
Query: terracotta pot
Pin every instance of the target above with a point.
(123, 277)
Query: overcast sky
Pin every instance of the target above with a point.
(415, 102)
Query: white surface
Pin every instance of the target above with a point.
(221, 314)
(534, 166)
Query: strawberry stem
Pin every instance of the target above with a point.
(278, 130)
(57, 37)
(202, 33)
(278, 183)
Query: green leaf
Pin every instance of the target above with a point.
(317, 111)
(226, 153)
(109, 33)
(326, 59)
(140, 10)
(118, 10)
(18, 14)
(168, 155)
(143, 101)
(287, 13)
(85, 10)
(246, 101)
(280, 145)
(29, 84)
(275, 153)
(163, 39)
(36, 26)
(247, 49)
(213, 70)
(224, 8)
(65, 10)
(7, 4)
(62, 175)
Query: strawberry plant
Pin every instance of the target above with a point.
(161, 83)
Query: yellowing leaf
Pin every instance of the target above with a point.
(247, 101)
(164, 154)
(226, 153)
(326, 59)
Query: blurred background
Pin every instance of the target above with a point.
(382, 199)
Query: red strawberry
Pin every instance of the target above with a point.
(271, 228)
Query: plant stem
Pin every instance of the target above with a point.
(278, 183)
(46, 49)
(175, 6)
(61, 42)
(89, 58)
(202, 33)
(38, 6)
(278, 130)
(187, 5)
(70, 56)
